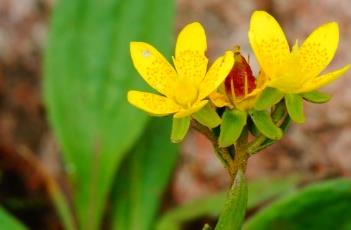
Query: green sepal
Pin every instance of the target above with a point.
(316, 97)
(294, 105)
(265, 125)
(269, 97)
(180, 127)
(284, 126)
(231, 127)
(252, 127)
(207, 116)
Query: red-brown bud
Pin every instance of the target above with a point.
(240, 80)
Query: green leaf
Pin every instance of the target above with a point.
(231, 127)
(267, 188)
(208, 116)
(234, 210)
(294, 105)
(269, 97)
(143, 178)
(264, 123)
(259, 191)
(180, 127)
(7, 221)
(316, 97)
(206, 206)
(88, 72)
(325, 205)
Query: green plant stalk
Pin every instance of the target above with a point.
(236, 164)
(223, 154)
(241, 156)
(56, 195)
(233, 214)
(61, 206)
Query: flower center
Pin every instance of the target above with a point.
(240, 81)
(185, 93)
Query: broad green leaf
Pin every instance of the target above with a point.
(208, 116)
(180, 127)
(143, 177)
(259, 191)
(7, 221)
(231, 127)
(294, 105)
(234, 210)
(325, 205)
(316, 97)
(265, 189)
(268, 98)
(87, 74)
(265, 125)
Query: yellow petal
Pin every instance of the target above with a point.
(219, 100)
(249, 101)
(318, 50)
(190, 59)
(187, 112)
(323, 80)
(153, 67)
(268, 42)
(192, 37)
(152, 103)
(216, 74)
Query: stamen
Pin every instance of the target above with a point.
(232, 90)
(246, 85)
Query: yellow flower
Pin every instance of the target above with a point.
(295, 71)
(185, 87)
(240, 89)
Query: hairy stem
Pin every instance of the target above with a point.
(222, 153)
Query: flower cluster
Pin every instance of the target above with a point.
(227, 94)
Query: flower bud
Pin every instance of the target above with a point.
(240, 81)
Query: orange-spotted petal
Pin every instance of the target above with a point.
(190, 60)
(268, 42)
(319, 82)
(216, 74)
(318, 50)
(152, 103)
(153, 67)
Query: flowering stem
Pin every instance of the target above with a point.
(222, 153)
(241, 155)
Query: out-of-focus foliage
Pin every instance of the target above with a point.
(143, 177)
(87, 74)
(324, 205)
(259, 191)
(9, 222)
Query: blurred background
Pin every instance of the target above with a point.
(29, 151)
